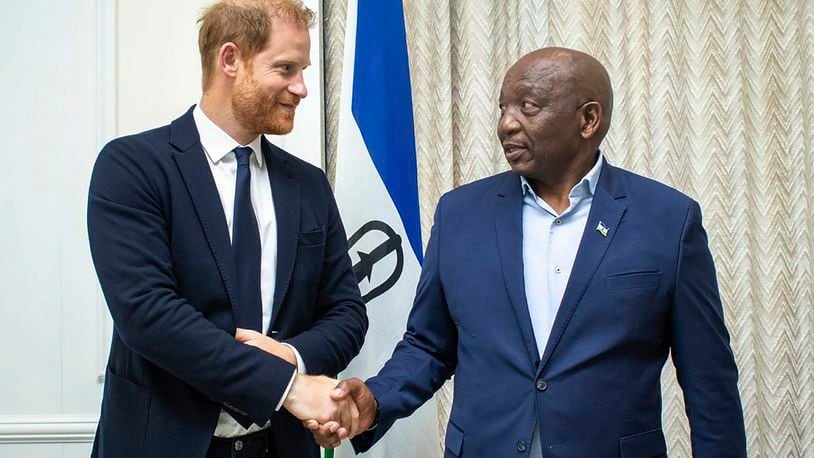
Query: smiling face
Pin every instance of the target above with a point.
(270, 85)
(540, 120)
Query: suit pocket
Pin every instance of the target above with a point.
(644, 445)
(312, 238)
(454, 440)
(633, 280)
(125, 414)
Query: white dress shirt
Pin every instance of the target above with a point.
(219, 148)
(550, 243)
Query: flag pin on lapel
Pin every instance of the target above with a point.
(602, 229)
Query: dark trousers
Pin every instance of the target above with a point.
(255, 445)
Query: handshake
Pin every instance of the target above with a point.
(331, 411)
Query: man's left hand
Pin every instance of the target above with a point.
(265, 343)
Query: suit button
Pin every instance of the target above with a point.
(521, 446)
(238, 445)
(541, 384)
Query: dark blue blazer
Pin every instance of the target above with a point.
(162, 252)
(645, 289)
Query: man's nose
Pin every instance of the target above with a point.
(507, 123)
(297, 86)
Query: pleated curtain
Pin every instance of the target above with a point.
(715, 98)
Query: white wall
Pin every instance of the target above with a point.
(55, 95)
(76, 74)
(159, 74)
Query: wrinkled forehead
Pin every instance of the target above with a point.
(548, 76)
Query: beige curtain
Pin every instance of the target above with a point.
(715, 98)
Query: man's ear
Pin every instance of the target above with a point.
(228, 59)
(590, 118)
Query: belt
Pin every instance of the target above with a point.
(254, 445)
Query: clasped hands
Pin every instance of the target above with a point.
(331, 411)
(344, 410)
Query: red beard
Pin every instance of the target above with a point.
(260, 112)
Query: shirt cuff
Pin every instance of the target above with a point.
(378, 413)
(300, 370)
(300, 362)
(285, 393)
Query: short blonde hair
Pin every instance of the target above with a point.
(246, 23)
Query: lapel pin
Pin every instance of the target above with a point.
(602, 229)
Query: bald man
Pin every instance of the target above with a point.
(556, 291)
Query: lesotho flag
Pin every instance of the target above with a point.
(377, 193)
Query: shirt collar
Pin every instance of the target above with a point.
(585, 187)
(217, 143)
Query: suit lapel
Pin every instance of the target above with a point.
(197, 176)
(607, 210)
(508, 212)
(286, 192)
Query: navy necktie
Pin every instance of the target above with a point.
(246, 246)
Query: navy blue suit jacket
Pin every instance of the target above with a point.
(162, 252)
(643, 290)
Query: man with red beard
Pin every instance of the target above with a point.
(223, 261)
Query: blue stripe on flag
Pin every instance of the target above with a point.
(383, 106)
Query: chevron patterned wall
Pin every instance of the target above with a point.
(715, 98)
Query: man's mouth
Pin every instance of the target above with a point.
(288, 104)
(513, 151)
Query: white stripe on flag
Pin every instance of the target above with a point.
(362, 197)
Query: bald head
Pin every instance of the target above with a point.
(571, 73)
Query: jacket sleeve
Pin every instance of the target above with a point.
(128, 229)
(340, 321)
(426, 355)
(704, 361)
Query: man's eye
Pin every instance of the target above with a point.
(528, 105)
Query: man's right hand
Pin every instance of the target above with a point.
(330, 434)
(318, 398)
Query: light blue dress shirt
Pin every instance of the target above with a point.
(550, 243)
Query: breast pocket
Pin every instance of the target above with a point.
(308, 265)
(314, 237)
(637, 305)
(627, 281)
